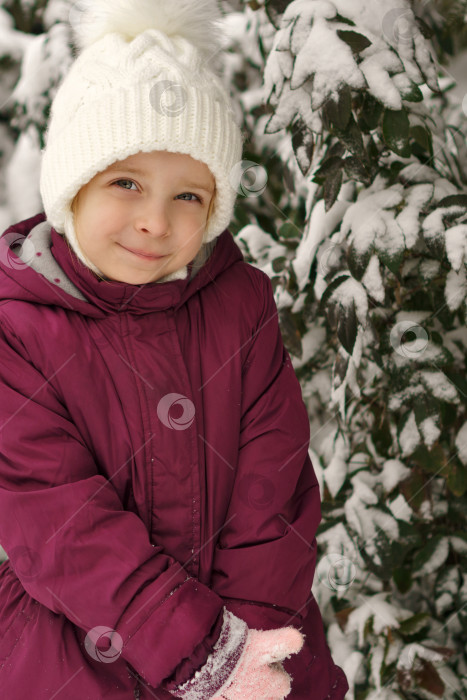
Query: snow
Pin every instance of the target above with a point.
(383, 614)
(455, 290)
(21, 174)
(359, 460)
(456, 245)
(400, 508)
(336, 471)
(383, 694)
(330, 59)
(373, 281)
(409, 654)
(363, 518)
(376, 69)
(260, 245)
(312, 342)
(318, 228)
(443, 188)
(12, 42)
(368, 219)
(417, 172)
(344, 654)
(376, 662)
(337, 540)
(409, 437)
(436, 560)
(352, 292)
(429, 269)
(440, 386)
(458, 544)
(461, 444)
(417, 198)
(430, 431)
(392, 473)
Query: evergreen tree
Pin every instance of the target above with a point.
(355, 205)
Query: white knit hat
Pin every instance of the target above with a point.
(141, 82)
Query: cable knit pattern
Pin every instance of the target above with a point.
(220, 664)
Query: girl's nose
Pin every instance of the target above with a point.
(152, 218)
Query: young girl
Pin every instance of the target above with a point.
(157, 502)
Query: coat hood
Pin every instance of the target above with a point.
(45, 270)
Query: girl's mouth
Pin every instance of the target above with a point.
(145, 256)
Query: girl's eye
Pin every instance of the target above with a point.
(117, 182)
(190, 194)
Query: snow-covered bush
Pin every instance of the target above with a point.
(355, 204)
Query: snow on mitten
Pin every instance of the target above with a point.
(260, 674)
(245, 664)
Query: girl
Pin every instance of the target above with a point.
(157, 502)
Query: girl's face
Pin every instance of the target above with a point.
(150, 203)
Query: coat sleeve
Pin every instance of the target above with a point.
(73, 546)
(265, 557)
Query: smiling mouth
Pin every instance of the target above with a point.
(145, 256)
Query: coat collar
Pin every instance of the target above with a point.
(78, 288)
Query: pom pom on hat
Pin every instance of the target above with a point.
(195, 21)
(132, 54)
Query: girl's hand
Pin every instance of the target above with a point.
(260, 674)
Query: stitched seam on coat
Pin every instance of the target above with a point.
(194, 451)
(146, 419)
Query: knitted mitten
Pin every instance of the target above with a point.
(245, 664)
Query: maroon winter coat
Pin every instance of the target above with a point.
(154, 467)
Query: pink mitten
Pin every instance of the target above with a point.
(260, 673)
(245, 664)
